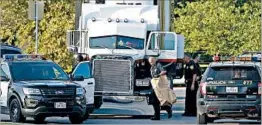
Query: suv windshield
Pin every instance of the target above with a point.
(116, 42)
(233, 73)
(25, 71)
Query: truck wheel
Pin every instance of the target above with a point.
(39, 119)
(76, 119)
(98, 101)
(201, 119)
(15, 111)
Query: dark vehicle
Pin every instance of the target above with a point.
(8, 49)
(32, 87)
(229, 90)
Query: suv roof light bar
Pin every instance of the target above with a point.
(12, 57)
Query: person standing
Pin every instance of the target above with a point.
(196, 60)
(79, 59)
(156, 71)
(191, 86)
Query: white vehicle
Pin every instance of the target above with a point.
(119, 36)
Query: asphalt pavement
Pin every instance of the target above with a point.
(137, 112)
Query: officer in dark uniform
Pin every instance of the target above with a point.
(199, 74)
(191, 86)
(79, 59)
(156, 71)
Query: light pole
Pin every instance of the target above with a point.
(36, 27)
(36, 12)
(261, 43)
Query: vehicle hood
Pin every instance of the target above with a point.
(49, 83)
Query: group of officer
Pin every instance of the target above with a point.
(192, 79)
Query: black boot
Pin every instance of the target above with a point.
(169, 111)
(155, 118)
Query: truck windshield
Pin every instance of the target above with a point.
(233, 73)
(116, 42)
(26, 71)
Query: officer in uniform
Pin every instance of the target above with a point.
(156, 71)
(79, 59)
(191, 86)
(196, 59)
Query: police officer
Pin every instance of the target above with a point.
(79, 59)
(156, 71)
(196, 59)
(191, 86)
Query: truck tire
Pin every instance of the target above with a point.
(76, 119)
(15, 111)
(98, 101)
(39, 119)
(201, 119)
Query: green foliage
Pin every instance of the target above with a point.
(222, 26)
(58, 18)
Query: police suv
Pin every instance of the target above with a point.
(9, 49)
(33, 87)
(230, 89)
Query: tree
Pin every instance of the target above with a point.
(58, 18)
(220, 26)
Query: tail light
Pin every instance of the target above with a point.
(259, 88)
(203, 88)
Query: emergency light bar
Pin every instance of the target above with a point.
(13, 57)
(240, 58)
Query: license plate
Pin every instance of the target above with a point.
(144, 82)
(60, 105)
(231, 89)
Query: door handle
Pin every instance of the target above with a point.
(90, 83)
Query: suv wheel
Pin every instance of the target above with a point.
(15, 111)
(39, 119)
(76, 119)
(87, 114)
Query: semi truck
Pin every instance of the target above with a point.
(118, 37)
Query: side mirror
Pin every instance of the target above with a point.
(4, 78)
(78, 78)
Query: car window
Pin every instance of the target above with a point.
(24, 71)
(2, 73)
(5, 69)
(83, 69)
(233, 73)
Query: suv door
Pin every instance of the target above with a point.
(166, 45)
(84, 69)
(3, 86)
(169, 48)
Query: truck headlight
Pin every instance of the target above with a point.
(79, 91)
(31, 91)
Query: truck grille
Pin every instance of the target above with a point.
(58, 91)
(112, 76)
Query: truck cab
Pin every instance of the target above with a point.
(119, 37)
